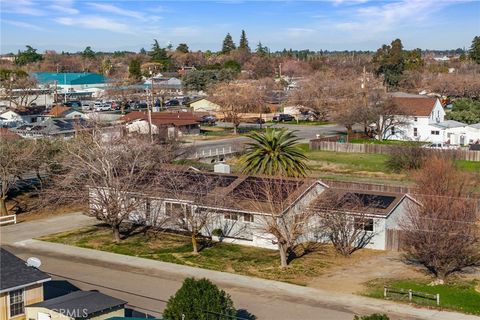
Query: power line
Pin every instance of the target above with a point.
(142, 296)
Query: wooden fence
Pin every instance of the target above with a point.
(364, 186)
(411, 294)
(394, 240)
(320, 144)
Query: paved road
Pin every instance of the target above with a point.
(147, 284)
(305, 132)
(134, 286)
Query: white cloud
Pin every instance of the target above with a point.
(96, 22)
(23, 24)
(391, 15)
(64, 9)
(23, 7)
(117, 10)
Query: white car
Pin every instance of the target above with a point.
(99, 106)
(441, 146)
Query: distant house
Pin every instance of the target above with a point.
(71, 81)
(168, 124)
(20, 285)
(77, 305)
(51, 128)
(204, 105)
(13, 118)
(416, 117)
(65, 112)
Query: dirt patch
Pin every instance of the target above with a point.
(350, 274)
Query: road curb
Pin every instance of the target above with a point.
(350, 301)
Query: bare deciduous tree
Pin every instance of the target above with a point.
(346, 221)
(18, 88)
(110, 172)
(16, 158)
(442, 233)
(237, 98)
(283, 215)
(190, 205)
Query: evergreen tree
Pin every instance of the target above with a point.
(88, 53)
(159, 55)
(228, 44)
(27, 56)
(199, 300)
(182, 47)
(390, 62)
(261, 50)
(244, 42)
(413, 60)
(474, 52)
(135, 70)
(143, 51)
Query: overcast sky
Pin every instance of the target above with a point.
(331, 24)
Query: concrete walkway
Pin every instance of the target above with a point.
(353, 302)
(42, 227)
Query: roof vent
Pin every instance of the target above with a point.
(34, 262)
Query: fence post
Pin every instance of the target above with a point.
(438, 299)
(384, 291)
(14, 219)
(410, 294)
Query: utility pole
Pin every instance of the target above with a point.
(364, 87)
(149, 113)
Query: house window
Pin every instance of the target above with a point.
(173, 209)
(230, 216)
(16, 302)
(435, 133)
(415, 132)
(362, 223)
(247, 217)
(393, 131)
(415, 119)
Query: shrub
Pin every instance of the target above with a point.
(406, 158)
(199, 300)
(217, 232)
(375, 316)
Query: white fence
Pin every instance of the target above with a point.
(8, 219)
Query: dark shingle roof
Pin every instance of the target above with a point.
(15, 273)
(92, 302)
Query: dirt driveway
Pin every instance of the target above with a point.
(350, 277)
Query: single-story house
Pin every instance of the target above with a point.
(20, 285)
(205, 105)
(16, 117)
(77, 305)
(51, 128)
(170, 124)
(240, 205)
(65, 112)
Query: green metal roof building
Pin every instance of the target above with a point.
(69, 78)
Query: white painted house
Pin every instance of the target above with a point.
(418, 114)
(204, 105)
(241, 213)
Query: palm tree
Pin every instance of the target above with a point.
(274, 152)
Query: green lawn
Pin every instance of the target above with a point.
(468, 165)
(460, 295)
(349, 162)
(175, 248)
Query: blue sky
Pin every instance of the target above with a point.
(71, 25)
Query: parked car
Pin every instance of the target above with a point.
(441, 146)
(172, 103)
(73, 104)
(283, 117)
(307, 116)
(208, 120)
(99, 106)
